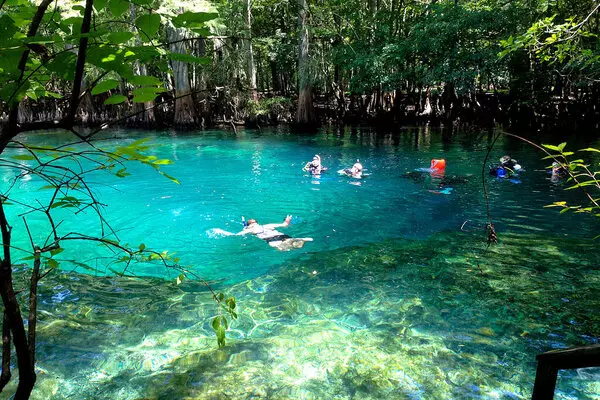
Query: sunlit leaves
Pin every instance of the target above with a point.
(220, 323)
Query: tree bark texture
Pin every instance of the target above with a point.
(6, 342)
(185, 111)
(13, 312)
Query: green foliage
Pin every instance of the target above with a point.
(114, 50)
(567, 40)
(220, 323)
(580, 174)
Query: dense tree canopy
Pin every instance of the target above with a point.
(538, 57)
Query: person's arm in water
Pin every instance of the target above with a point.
(285, 223)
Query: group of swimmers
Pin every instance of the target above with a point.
(508, 167)
(269, 232)
(316, 168)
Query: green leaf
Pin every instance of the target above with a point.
(142, 247)
(119, 37)
(170, 177)
(203, 31)
(145, 80)
(105, 86)
(148, 24)
(180, 278)
(100, 4)
(118, 7)
(551, 147)
(561, 146)
(221, 336)
(63, 65)
(51, 263)
(591, 149)
(56, 251)
(122, 173)
(230, 303)
(164, 161)
(115, 99)
(143, 98)
(216, 323)
(187, 58)
(190, 19)
(23, 157)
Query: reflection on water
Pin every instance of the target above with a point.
(392, 300)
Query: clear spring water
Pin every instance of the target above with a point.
(391, 299)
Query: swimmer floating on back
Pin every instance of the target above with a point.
(273, 237)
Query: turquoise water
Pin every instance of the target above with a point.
(391, 299)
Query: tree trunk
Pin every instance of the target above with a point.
(305, 113)
(185, 111)
(248, 45)
(13, 312)
(6, 374)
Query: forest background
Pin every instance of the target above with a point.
(531, 63)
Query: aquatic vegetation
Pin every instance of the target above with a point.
(419, 322)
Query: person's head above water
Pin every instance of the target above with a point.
(505, 159)
(251, 221)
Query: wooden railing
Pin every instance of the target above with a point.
(550, 362)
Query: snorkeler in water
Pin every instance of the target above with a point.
(356, 171)
(507, 168)
(314, 167)
(273, 237)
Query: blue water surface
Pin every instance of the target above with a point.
(258, 174)
(398, 296)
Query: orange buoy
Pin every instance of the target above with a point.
(438, 165)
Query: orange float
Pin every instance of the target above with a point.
(438, 165)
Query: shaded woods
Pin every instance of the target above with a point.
(529, 63)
